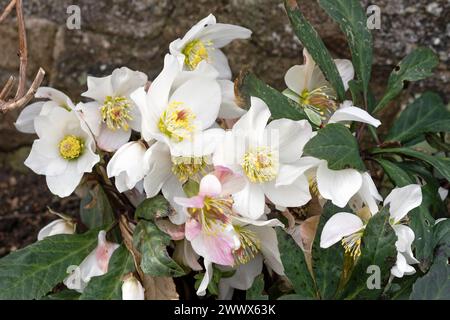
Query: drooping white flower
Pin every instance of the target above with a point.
(64, 151)
(203, 42)
(59, 226)
(113, 115)
(347, 112)
(132, 289)
(56, 98)
(94, 265)
(349, 228)
(269, 156)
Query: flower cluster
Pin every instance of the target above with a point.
(223, 167)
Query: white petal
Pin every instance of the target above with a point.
(443, 193)
(25, 121)
(64, 184)
(99, 88)
(200, 144)
(132, 289)
(405, 239)
(160, 87)
(269, 247)
(220, 62)
(59, 226)
(44, 158)
(55, 95)
(403, 200)
(90, 113)
(338, 226)
(354, 114)
(229, 109)
(111, 140)
(221, 34)
(369, 193)
(401, 267)
(202, 97)
(201, 291)
(292, 137)
(210, 186)
(346, 71)
(172, 189)
(186, 255)
(255, 120)
(159, 163)
(292, 195)
(124, 81)
(250, 201)
(244, 276)
(295, 78)
(338, 185)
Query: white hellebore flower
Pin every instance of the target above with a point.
(132, 289)
(269, 157)
(349, 228)
(64, 151)
(203, 42)
(113, 115)
(55, 98)
(94, 265)
(59, 226)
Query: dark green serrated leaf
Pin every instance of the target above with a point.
(33, 271)
(378, 249)
(295, 266)
(418, 65)
(109, 285)
(426, 114)
(152, 244)
(95, 209)
(316, 48)
(336, 144)
(256, 290)
(149, 209)
(441, 164)
(248, 85)
(398, 176)
(401, 288)
(327, 263)
(435, 285)
(352, 19)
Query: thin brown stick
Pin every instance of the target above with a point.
(7, 11)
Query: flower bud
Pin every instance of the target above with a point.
(132, 289)
(59, 226)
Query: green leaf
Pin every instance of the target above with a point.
(280, 106)
(378, 249)
(151, 243)
(32, 272)
(418, 65)
(109, 285)
(401, 288)
(316, 48)
(294, 297)
(149, 209)
(256, 291)
(435, 285)
(426, 114)
(295, 266)
(95, 209)
(441, 164)
(337, 145)
(398, 176)
(352, 20)
(327, 263)
(63, 295)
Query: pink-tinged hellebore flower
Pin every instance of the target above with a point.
(203, 42)
(132, 289)
(209, 226)
(59, 226)
(112, 115)
(349, 228)
(55, 98)
(95, 264)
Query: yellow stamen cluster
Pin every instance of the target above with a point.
(352, 245)
(116, 112)
(250, 245)
(260, 164)
(71, 147)
(177, 121)
(216, 212)
(313, 187)
(188, 167)
(320, 100)
(195, 52)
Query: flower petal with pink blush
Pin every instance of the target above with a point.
(176, 232)
(210, 186)
(193, 202)
(231, 182)
(192, 229)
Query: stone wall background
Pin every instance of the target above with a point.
(137, 33)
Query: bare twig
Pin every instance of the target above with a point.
(22, 96)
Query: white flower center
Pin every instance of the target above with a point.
(177, 121)
(116, 112)
(260, 164)
(71, 147)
